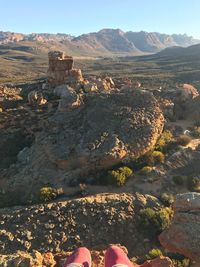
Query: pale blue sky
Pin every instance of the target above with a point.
(83, 16)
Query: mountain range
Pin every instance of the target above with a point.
(106, 42)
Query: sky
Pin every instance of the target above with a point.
(76, 17)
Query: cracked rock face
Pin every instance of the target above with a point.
(104, 130)
(183, 236)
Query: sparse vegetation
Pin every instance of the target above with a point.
(163, 142)
(181, 263)
(154, 253)
(179, 260)
(47, 194)
(158, 157)
(193, 183)
(167, 199)
(117, 177)
(155, 221)
(196, 132)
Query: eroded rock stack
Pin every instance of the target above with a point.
(59, 66)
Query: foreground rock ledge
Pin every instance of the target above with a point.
(183, 236)
(36, 259)
(94, 222)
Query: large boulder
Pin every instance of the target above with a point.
(105, 130)
(183, 236)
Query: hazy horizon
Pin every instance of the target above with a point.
(80, 17)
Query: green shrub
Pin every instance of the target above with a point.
(47, 194)
(193, 183)
(154, 253)
(118, 177)
(155, 221)
(179, 260)
(146, 170)
(167, 199)
(196, 131)
(158, 157)
(181, 263)
(126, 171)
(163, 142)
(179, 180)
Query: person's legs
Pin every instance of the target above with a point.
(79, 258)
(115, 256)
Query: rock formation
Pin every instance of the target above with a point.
(183, 236)
(61, 70)
(184, 162)
(185, 102)
(59, 65)
(104, 130)
(36, 98)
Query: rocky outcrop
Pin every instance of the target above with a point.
(183, 236)
(184, 162)
(185, 103)
(68, 98)
(62, 226)
(102, 132)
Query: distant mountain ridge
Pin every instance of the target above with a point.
(106, 42)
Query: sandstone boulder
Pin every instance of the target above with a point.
(106, 129)
(186, 100)
(183, 236)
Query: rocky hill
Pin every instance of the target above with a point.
(191, 53)
(105, 42)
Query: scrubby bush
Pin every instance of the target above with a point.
(164, 141)
(179, 260)
(181, 263)
(183, 140)
(155, 221)
(158, 157)
(193, 183)
(196, 131)
(154, 253)
(126, 171)
(178, 179)
(47, 194)
(145, 170)
(167, 199)
(118, 177)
